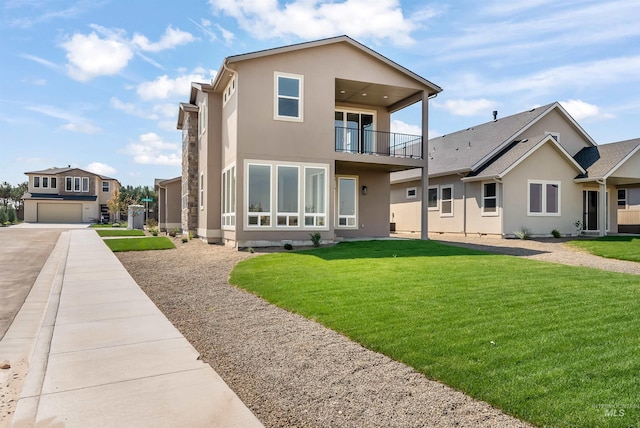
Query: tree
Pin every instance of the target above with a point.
(16, 196)
(5, 194)
(116, 205)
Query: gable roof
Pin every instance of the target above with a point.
(469, 150)
(602, 161)
(55, 171)
(221, 75)
(516, 153)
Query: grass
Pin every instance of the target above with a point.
(140, 244)
(547, 343)
(101, 226)
(119, 232)
(612, 247)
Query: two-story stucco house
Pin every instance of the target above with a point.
(536, 170)
(67, 195)
(296, 140)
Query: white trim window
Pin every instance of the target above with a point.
(202, 118)
(202, 190)
(36, 181)
(432, 198)
(229, 197)
(53, 183)
(622, 199)
(315, 196)
(490, 198)
(412, 192)
(347, 203)
(258, 195)
(288, 100)
(105, 186)
(229, 90)
(446, 200)
(85, 184)
(287, 196)
(543, 198)
(68, 184)
(45, 182)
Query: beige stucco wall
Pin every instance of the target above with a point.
(90, 210)
(439, 223)
(405, 212)
(477, 221)
(544, 164)
(554, 122)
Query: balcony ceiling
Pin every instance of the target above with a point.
(374, 94)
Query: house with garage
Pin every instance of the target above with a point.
(169, 208)
(296, 140)
(67, 195)
(537, 171)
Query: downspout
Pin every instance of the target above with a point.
(499, 193)
(464, 205)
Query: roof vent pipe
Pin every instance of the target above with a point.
(495, 115)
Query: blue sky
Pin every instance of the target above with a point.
(96, 83)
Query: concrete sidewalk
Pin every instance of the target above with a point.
(101, 354)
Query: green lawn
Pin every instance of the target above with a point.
(612, 247)
(140, 244)
(119, 232)
(102, 226)
(551, 344)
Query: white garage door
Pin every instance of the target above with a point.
(59, 213)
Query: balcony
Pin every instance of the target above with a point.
(369, 142)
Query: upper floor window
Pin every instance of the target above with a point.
(76, 184)
(105, 186)
(36, 181)
(490, 198)
(202, 117)
(543, 198)
(53, 183)
(229, 90)
(288, 99)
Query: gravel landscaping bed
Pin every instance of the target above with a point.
(290, 371)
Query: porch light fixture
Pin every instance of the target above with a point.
(364, 95)
(364, 190)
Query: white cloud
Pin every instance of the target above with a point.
(165, 87)
(152, 150)
(105, 52)
(75, 123)
(310, 19)
(131, 109)
(401, 127)
(579, 110)
(171, 38)
(90, 56)
(462, 107)
(41, 61)
(101, 168)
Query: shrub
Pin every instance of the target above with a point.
(11, 215)
(251, 250)
(555, 233)
(115, 225)
(173, 232)
(154, 231)
(151, 223)
(185, 239)
(3, 216)
(288, 246)
(523, 233)
(316, 238)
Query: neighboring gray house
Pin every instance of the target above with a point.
(295, 140)
(169, 209)
(536, 170)
(67, 195)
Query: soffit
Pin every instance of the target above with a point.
(374, 94)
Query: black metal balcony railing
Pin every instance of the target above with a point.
(366, 141)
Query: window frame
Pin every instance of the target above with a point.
(437, 199)
(544, 203)
(53, 183)
(353, 216)
(36, 181)
(201, 191)
(228, 204)
(485, 198)
(441, 200)
(408, 191)
(289, 217)
(202, 117)
(277, 97)
(85, 188)
(319, 217)
(108, 186)
(229, 90)
(260, 216)
(625, 205)
(68, 184)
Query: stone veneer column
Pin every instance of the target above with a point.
(190, 180)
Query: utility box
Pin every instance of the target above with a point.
(136, 217)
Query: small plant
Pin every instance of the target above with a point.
(151, 223)
(115, 225)
(288, 246)
(523, 233)
(555, 233)
(251, 250)
(578, 225)
(174, 232)
(316, 238)
(153, 231)
(190, 235)
(185, 239)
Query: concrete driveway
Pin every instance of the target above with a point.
(24, 248)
